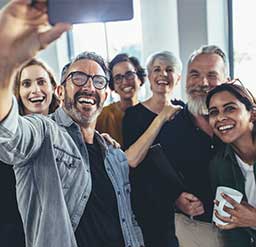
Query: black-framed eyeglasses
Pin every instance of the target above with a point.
(129, 75)
(80, 78)
(238, 81)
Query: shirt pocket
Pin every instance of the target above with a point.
(68, 166)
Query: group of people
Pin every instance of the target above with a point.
(75, 188)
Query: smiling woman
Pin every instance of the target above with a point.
(34, 88)
(232, 117)
(126, 77)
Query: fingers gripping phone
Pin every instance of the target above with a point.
(83, 11)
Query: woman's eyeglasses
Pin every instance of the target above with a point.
(129, 75)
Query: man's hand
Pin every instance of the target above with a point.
(242, 215)
(189, 204)
(25, 30)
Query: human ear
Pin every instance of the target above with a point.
(60, 92)
(253, 114)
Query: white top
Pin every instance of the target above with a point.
(250, 185)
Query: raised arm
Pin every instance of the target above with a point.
(138, 150)
(24, 30)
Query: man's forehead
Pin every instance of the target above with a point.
(207, 60)
(86, 65)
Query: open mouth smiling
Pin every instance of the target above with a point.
(38, 99)
(86, 100)
(127, 89)
(162, 82)
(225, 128)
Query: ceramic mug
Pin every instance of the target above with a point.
(234, 194)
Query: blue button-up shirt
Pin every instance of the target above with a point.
(53, 177)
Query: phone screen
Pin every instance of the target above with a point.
(83, 11)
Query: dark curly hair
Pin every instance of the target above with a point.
(123, 57)
(34, 61)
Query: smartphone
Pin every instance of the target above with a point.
(84, 11)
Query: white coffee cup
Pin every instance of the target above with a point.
(234, 194)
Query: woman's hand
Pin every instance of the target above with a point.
(169, 112)
(242, 215)
(110, 140)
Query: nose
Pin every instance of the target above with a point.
(204, 81)
(164, 73)
(89, 85)
(221, 116)
(125, 81)
(35, 87)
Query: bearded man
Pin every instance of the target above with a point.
(72, 187)
(189, 144)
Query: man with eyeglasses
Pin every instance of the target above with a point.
(72, 188)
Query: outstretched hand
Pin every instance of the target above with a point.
(25, 30)
(242, 215)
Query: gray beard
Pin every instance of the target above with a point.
(77, 116)
(197, 106)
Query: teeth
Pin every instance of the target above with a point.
(226, 127)
(35, 99)
(86, 101)
(127, 89)
(162, 82)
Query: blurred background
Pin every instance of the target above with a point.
(180, 26)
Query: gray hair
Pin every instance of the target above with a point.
(210, 49)
(92, 56)
(164, 55)
(64, 72)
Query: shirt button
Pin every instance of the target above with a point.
(118, 192)
(212, 146)
(123, 220)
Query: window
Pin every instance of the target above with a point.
(108, 39)
(244, 42)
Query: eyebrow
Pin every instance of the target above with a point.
(213, 72)
(229, 103)
(193, 71)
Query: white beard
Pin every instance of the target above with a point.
(197, 106)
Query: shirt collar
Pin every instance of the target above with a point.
(62, 118)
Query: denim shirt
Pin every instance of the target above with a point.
(53, 177)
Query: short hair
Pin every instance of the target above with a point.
(164, 55)
(34, 61)
(210, 49)
(123, 57)
(64, 72)
(91, 56)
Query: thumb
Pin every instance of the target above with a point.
(55, 32)
(191, 197)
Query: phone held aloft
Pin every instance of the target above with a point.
(84, 11)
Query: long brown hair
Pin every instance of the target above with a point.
(55, 101)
